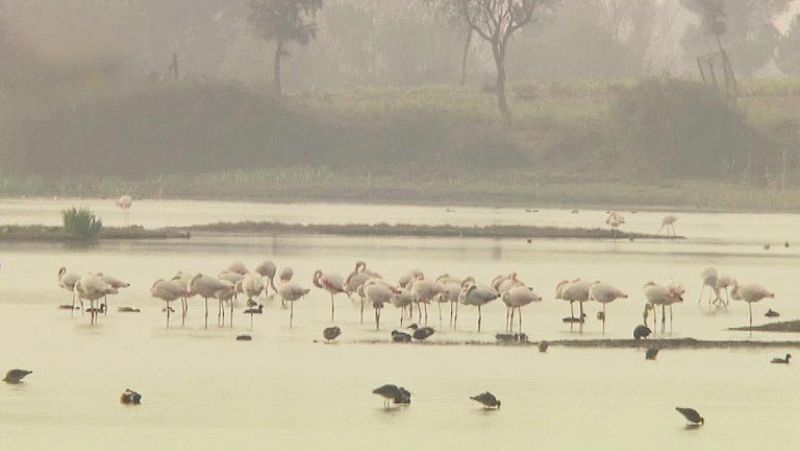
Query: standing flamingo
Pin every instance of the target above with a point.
(451, 289)
(354, 284)
(516, 298)
(268, 269)
(252, 285)
(291, 292)
(168, 291)
(424, 292)
(710, 277)
(115, 283)
(378, 294)
(183, 279)
(92, 287)
(67, 281)
(474, 295)
(207, 287)
(750, 293)
(575, 291)
(668, 224)
(663, 295)
(238, 267)
(125, 202)
(615, 220)
(724, 282)
(332, 283)
(605, 293)
(403, 298)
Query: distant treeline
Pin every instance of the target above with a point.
(657, 129)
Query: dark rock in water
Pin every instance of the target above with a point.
(330, 333)
(543, 345)
(128, 310)
(244, 338)
(130, 397)
(772, 314)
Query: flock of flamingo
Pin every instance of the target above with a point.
(412, 291)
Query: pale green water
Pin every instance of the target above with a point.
(204, 390)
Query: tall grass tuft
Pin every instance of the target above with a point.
(82, 224)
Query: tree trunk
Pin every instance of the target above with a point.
(500, 87)
(276, 77)
(467, 44)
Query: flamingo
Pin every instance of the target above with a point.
(67, 281)
(403, 298)
(168, 291)
(663, 295)
(516, 298)
(252, 285)
(575, 291)
(268, 269)
(378, 294)
(605, 293)
(92, 287)
(615, 220)
(125, 202)
(238, 267)
(207, 287)
(115, 283)
(291, 292)
(710, 277)
(332, 283)
(750, 293)
(184, 279)
(424, 292)
(410, 277)
(472, 294)
(668, 223)
(724, 282)
(355, 282)
(451, 290)
(286, 274)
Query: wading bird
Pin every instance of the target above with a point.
(488, 400)
(115, 283)
(268, 269)
(516, 298)
(424, 291)
(168, 291)
(92, 287)
(421, 333)
(615, 220)
(605, 293)
(476, 296)
(332, 283)
(15, 376)
(691, 415)
(125, 202)
(291, 292)
(575, 291)
(668, 224)
(389, 392)
(710, 278)
(378, 293)
(208, 287)
(750, 293)
(252, 285)
(651, 353)
(67, 281)
(641, 331)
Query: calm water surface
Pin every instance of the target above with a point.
(204, 390)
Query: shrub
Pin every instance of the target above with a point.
(81, 223)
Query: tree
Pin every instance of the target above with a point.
(284, 21)
(496, 21)
(788, 55)
(450, 10)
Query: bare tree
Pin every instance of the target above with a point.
(451, 11)
(284, 21)
(496, 21)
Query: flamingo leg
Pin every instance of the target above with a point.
(72, 312)
(362, 310)
(206, 326)
(750, 309)
(455, 318)
(580, 320)
(167, 314)
(440, 313)
(604, 317)
(332, 308)
(519, 310)
(479, 318)
(251, 322)
(451, 313)
(105, 304)
(291, 314)
(663, 318)
(511, 322)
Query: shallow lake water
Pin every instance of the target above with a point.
(204, 390)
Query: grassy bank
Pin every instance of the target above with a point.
(403, 230)
(47, 233)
